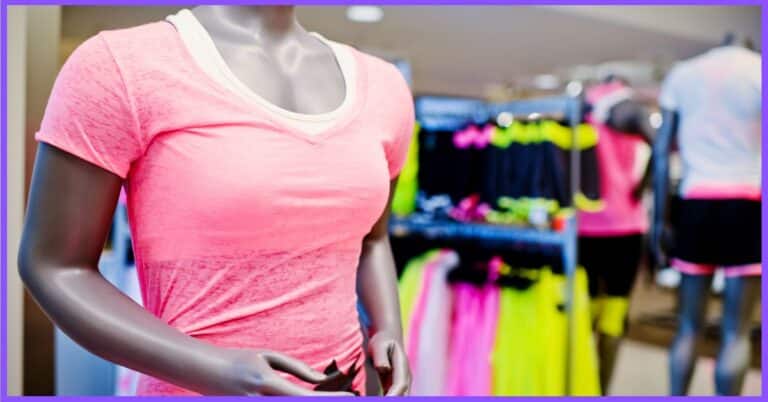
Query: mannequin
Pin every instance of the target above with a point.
(610, 241)
(259, 42)
(71, 203)
(742, 288)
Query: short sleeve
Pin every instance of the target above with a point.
(667, 96)
(89, 113)
(397, 145)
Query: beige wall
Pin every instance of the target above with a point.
(42, 66)
(17, 28)
(33, 62)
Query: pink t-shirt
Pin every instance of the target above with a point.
(247, 232)
(616, 155)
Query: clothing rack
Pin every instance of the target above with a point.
(453, 113)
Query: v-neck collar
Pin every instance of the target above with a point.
(200, 45)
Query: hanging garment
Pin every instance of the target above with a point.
(475, 316)
(529, 354)
(410, 288)
(588, 197)
(404, 199)
(443, 168)
(520, 342)
(428, 346)
(584, 375)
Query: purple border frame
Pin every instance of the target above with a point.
(392, 2)
(4, 137)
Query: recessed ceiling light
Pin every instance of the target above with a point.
(367, 14)
(574, 88)
(546, 81)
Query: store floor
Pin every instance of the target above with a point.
(641, 370)
(642, 363)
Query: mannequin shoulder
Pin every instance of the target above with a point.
(384, 77)
(142, 46)
(378, 66)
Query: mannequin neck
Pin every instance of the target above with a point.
(268, 21)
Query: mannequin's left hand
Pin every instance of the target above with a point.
(391, 363)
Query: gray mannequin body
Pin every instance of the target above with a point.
(71, 203)
(267, 49)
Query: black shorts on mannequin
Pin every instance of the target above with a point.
(611, 263)
(716, 232)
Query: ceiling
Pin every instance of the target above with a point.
(466, 50)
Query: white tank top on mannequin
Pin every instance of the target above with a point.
(203, 50)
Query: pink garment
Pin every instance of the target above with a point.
(475, 316)
(692, 268)
(720, 191)
(431, 365)
(616, 154)
(247, 232)
(465, 309)
(417, 317)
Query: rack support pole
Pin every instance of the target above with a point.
(570, 249)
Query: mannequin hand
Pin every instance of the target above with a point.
(391, 362)
(659, 243)
(257, 374)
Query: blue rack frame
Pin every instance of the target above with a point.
(452, 113)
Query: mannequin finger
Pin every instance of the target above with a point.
(401, 378)
(277, 385)
(298, 368)
(380, 352)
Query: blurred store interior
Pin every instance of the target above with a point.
(495, 54)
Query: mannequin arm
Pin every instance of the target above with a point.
(377, 287)
(660, 162)
(632, 117)
(71, 204)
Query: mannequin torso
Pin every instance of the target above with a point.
(144, 116)
(269, 52)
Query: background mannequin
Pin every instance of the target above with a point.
(741, 293)
(71, 204)
(611, 240)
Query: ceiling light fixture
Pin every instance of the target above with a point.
(367, 14)
(546, 81)
(574, 88)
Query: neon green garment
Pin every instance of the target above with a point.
(519, 358)
(529, 353)
(504, 137)
(584, 377)
(562, 136)
(584, 203)
(546, 130)
(516, 211)
(404, 199)
(613, 315)
(410, 285)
